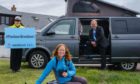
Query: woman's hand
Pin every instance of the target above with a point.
(64, 74)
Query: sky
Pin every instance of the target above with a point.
(53, 7)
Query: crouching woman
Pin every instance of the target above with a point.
(63, 67)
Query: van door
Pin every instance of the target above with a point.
(125, 38)
(65, 31)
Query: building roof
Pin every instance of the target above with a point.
(4, 10)
(117, 6)
(35, 20)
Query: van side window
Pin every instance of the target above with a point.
(119, 27)
(134, 25)
(64, 27)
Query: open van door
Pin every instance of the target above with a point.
(125, 40)
(63, 31)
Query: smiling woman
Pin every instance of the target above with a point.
(63, 67)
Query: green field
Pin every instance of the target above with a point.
(94, 76)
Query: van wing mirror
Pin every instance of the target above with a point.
(50, 33)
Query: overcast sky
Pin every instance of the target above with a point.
(58, 7)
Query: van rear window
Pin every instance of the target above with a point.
(119, 27)
(125, 25)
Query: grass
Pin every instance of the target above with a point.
(94, 76)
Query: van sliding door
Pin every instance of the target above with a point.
(125, 39)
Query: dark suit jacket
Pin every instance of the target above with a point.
(100, 37)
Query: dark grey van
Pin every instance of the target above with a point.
(122, 34)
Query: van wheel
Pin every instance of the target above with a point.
(128, 66)
(38, 59)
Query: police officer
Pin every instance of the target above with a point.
(16, 54)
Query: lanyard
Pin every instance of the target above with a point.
(94, 35)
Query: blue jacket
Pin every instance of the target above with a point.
(71, 71)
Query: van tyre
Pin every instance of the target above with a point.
(38, 59)
(128, 66)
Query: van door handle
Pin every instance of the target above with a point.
(72, 37)
(116, 36)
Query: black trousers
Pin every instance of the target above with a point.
(100, 50)
(15, 59)
(78, 80)
(103, 57)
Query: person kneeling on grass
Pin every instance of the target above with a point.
(63, 67)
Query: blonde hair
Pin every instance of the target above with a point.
(67, 52)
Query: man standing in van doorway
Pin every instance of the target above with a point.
(98, 41)
(16, 54)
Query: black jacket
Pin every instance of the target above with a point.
(100, 37)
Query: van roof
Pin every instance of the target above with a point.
(115, 5)
(105, 17)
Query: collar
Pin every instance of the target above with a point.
(62, 58)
